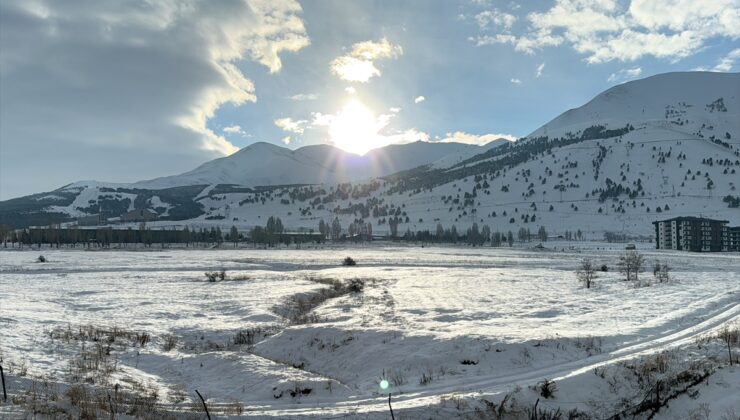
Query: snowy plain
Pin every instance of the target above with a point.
(470, 319)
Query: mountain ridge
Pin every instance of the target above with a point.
(637, 151)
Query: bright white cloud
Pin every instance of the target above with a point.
(286, 140)
(496, 17)
(394, 110)
(540, 69)
(624, 75)
(291, 125)
(359, 64)
(350, 90)
(606, 30)
(419, 99)
(516, 81)
(233, 129)
(524, 44)
(305, 97)
(120, 78)
(467, 138)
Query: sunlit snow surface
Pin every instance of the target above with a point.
(422, 307)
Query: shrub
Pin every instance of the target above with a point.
(397, 377)
(356, 285)
(547, 388)
(214, 276)
(169, 342)
(243, 337)
(426, 378)
(142, 338)
(41, 259)
(661, 271)
(348, 261)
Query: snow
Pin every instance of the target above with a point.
(519, 314)
(267, 164)
(456, 158)
(648, 100)
(667, 152)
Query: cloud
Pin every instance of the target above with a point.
(495, 16)
(394, 110)
(606, 30)
(305, 97)
(350, 90)
(467, 138)
(359, 64)
(127, 85)
(624, 75)
(286, 140)
(233, 129)
(727, 62)
(291, 125)
(515, 81)
(540, 69)
(419, 99)
(527, 45)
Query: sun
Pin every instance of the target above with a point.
(355, 128)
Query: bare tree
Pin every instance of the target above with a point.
(630, 264)
(586, 272)
(729, 336)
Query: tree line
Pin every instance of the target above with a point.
(272, 233)
(105, 236)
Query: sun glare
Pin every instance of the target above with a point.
(355, 128)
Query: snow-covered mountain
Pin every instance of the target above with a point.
(263, 164)
(676, 101)
(654, 148)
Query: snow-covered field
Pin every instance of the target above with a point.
(434, 321)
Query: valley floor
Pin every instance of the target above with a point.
(456, 331)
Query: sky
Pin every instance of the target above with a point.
(125, 90)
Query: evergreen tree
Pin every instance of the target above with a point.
(336, 229)
(234, 235)
(486, 233)
(542, 234)
(323, 228)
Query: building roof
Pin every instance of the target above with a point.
(690, 218)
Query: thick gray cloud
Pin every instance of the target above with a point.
(121, 90)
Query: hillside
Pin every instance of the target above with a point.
(262, 164)
(649, 149)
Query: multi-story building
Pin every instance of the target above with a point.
(692, 234)
(734, 238)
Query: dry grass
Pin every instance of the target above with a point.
(96, 334)
(169, 342)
